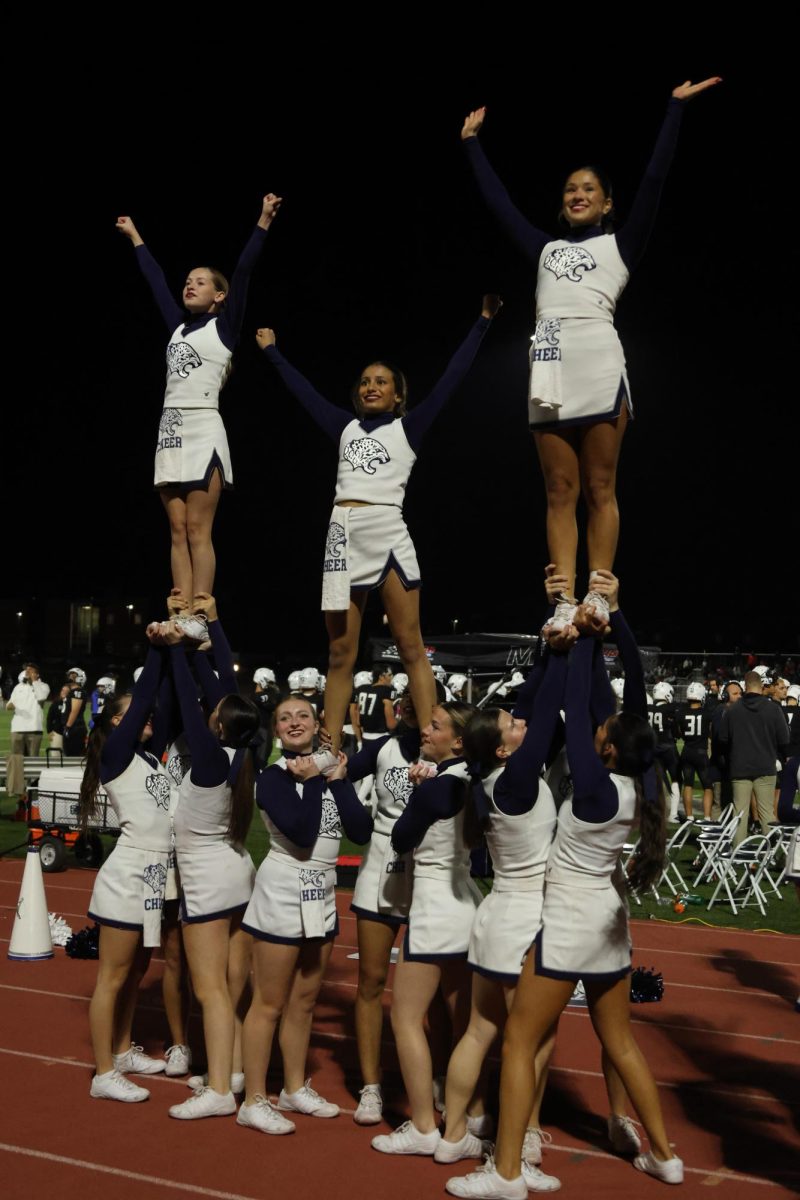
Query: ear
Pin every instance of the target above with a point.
(608, 204)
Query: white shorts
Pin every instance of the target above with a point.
(215, 880)
(129, 891)
(380, 542)
(383, 886)
(504, 928)
(191, 444)
(275, 912)
(584, 933)
(440, 919)
(593, 383)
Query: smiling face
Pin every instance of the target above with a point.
(295, 725)
(377, 390)
(201, 293)
(584, 202)
(441, 740)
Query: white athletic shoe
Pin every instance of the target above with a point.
(326, 760)
(537, 1181)
(194, 627)
(370, 1105)
(135, 1061)
(307, 1101)
(438, 1080)
(485, 1184)
(201, 1081)
(113, 1085)
(407, 1139)
(179, 1060)
(600, 603)
(204, 1103)
(563, 616)
(669, 1171)
(264, 1116)
(622, 1135)
(532, 1145)
(482, 1126)
(469, 1146)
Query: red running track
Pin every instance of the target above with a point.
(724, 1045)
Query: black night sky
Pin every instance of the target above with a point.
(383, 248)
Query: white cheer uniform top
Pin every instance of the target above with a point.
(392, 786)
(585, 853)
(140, 798)
(519, 844)
(203, 814)
(325, 851)
(196, 368)
(442, 852)
(580, 279)
(374, 467)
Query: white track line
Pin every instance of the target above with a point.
(193, 1189)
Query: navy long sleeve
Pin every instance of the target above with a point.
(634, 695)
(123, 742)
(365, 761)
(787, 813)
(223, 657)
(330, 418)
(517, 789)
(595, 798)
(526, 696)
(434, 800)
(602, 702)
(210, 763)
(165, 723)
(417, 422)
(530, 240)
(172, 312)
(356, 819)
(298, 817)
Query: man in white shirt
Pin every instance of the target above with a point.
(26, 703)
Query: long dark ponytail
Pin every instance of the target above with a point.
(482, 740)
(240, 723)
(634, 741)
(101, 731)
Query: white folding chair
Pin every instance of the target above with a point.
(671, 853)
(740, 870)
(712, 842)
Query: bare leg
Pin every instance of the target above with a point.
(240, 950)
(487, 1017)
(180, 558)
(599, 454)
(609, 1008)
(118, 949)
(344, 630)
(126, 1002)
(273, 968)
(415, 985)
(402, 609)
(175, 980)
(375, 941)
(558, 458)
(295, 1028)
(207, 951)
(201, 508)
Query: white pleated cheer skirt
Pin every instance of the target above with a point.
(440, 919)
(586, 383)
(584, 932)
(215, 880)
(191, 443)
(503, 931)
(292, 903)
(129, 891)
(383, 886)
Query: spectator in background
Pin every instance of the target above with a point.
(754, 736)
(74, 729)
(26, 703)
(56, 718)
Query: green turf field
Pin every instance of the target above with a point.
(782, 916)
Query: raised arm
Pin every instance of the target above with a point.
(530, 240)
(417, 423)
(632, 238)
(223, 655)
(330, 418)
(518, 787)
(595, 797)
(229, 323)
(210, 763)
(168, 306)
(124, 738)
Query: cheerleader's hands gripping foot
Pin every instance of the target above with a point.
(687, 90)
(176, 604)
(472, 123)
(555, 586)
(269, 209)
(492, 304)
(303, 767)
(590, 622)
(418, 772)
(164, 633)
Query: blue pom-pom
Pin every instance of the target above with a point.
(84, 944)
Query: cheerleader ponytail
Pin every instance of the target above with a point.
(240, 723)
(101, 731)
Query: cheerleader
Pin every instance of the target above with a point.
(443, 903)
(581, 895)
(215, 806)
(127, 900)
(579, 401)
(515, 808)
(368, 545)
(382, 893)
(292, 914)
(192, 458)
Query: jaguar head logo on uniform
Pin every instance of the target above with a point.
(181, 356)
(170, 419)
(364, 452)
(177, 766)
(331, 824)
(155, 876)
(547, 330)
(335, 540)
(313, 878)
(397, 784)
(158, 787)
(566, 261)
